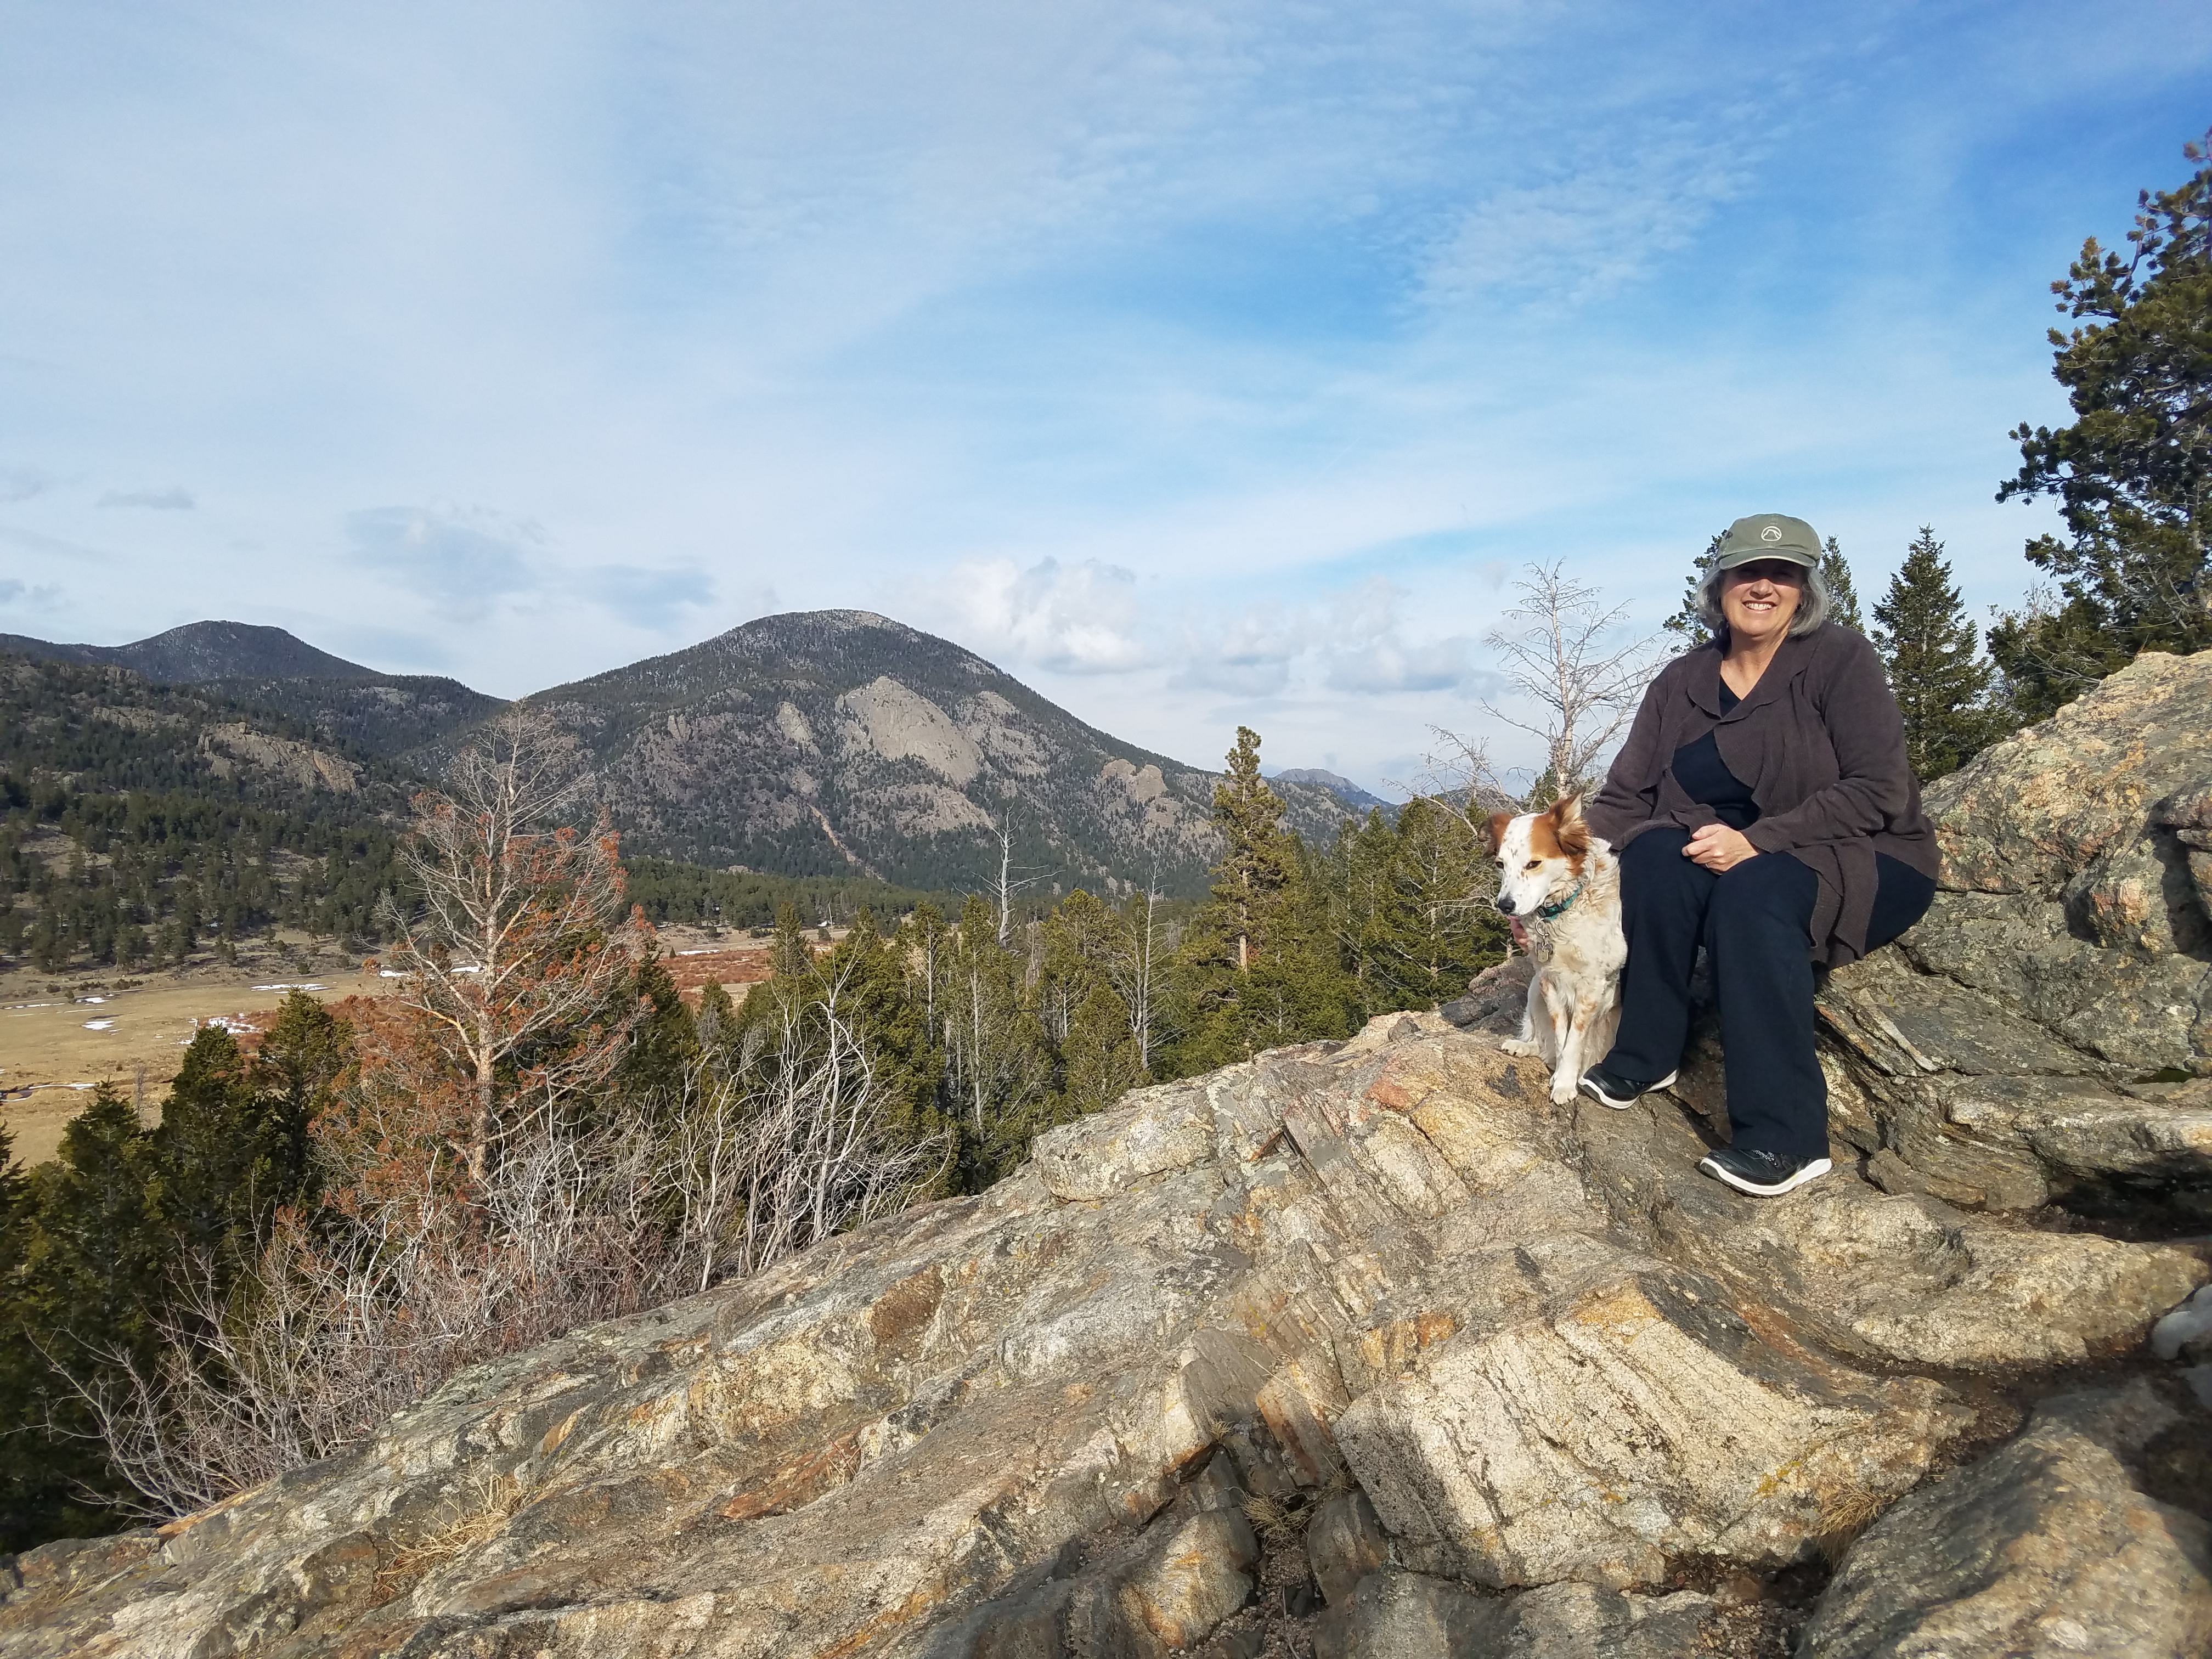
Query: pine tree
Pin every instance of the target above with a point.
(791, 956)
(1686, 621)
(866, 976)
(1928, 645)
(718, 1015)
(1258, 967)
(998, 1065)
(1099, 1059)
(664, 1039)
(2134, 473)
(1843, 593)
(1436, 930)
(1253, 884)
(92, 1285)
(211, 1151)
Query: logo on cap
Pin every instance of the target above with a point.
(1772, 533)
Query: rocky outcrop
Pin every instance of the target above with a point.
(2050, 1546)
(1047, 1420)
(1369, 1348)
(2045, 1035)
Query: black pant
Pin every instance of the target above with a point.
(1755, 923)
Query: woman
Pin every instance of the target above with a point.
(1762, 807)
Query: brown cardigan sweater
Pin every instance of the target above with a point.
(1821, 744)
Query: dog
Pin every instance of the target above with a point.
(1561, 886)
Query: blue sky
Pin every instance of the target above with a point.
(1200, 362)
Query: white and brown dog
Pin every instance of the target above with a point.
(1561, 886)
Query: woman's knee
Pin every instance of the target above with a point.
(1772, 888)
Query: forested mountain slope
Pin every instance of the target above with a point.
(830, 740)
(138, 821)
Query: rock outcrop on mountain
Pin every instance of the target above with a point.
(822, 742)
(1369, 1349)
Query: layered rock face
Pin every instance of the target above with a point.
(1366, 1349)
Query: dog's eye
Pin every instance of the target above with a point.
(1533, 864)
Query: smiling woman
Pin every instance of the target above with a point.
(1765, 809)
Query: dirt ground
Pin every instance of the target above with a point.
(60, 1033)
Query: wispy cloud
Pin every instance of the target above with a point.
(1588, 229)
(643, 597)
(57, 547)
(17, 595)
(466, 559)
(20, 483)
(172, 499)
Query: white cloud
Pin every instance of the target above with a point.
(1079, 618)
(172, 499)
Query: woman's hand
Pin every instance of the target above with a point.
(1719, 849)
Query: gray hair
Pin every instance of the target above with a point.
(1815, 607)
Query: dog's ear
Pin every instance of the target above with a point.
(1493, 833)
(1568, 823)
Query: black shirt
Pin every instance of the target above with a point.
(1705, 776)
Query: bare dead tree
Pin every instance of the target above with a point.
(1009, 883)
(1134, 971)
(519, 932)
(1554, 647)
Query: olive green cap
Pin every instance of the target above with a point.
(1769, 536)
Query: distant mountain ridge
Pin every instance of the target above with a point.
(384, 714)
(203, 650)
(1343, 788)
(826, 743)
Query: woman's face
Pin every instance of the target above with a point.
(1759, 599)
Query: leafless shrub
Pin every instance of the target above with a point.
(371, 1304)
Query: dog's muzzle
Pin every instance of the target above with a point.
(1505, 903)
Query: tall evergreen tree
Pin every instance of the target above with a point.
(213, 1150)
(2133, 474)
(92, 1290)
(998, 1065)
(1436, 930)
(1258, 966)
(1843, 592)
(1099, 1059)
(1942, 686)
(1686, 621)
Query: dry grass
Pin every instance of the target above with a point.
(1281, 1522)
(479, 1516)
(1844, 1516)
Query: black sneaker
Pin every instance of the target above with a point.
(1763, 1175)
(1611, 1089)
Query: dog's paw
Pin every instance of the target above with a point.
(1563, 1091)
(1520, 1046)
